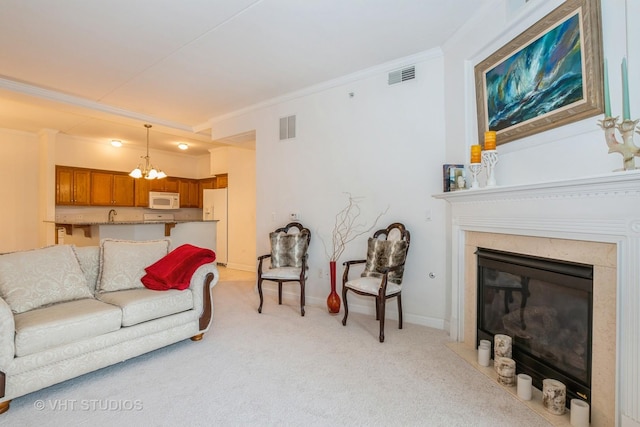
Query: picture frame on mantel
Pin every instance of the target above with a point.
(548, 76)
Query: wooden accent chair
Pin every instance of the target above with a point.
(288, 260)
(382, 275)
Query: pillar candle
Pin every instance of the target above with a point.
(579, 413)
(607, 100)
(626, 114)
(490, 140)
(484, 355)
(554, 395)
(524, 386)
(476, 154)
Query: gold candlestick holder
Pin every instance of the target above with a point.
(627, 147)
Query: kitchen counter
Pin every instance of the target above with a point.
(196, 232)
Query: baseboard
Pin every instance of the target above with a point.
(392, 314)
(628, 422)
(241, 267)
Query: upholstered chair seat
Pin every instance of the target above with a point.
(371, 285)
(283, 273)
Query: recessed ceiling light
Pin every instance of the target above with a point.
(183, 146)
(116, 143)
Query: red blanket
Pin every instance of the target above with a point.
(174, 271)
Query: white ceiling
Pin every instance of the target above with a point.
(101, 69)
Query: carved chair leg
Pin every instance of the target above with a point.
(4, 406)
(280, 293)
(346, 306)
(302, 283)
(197, 337)
(381, 311)
(399, 311)
(260, 293)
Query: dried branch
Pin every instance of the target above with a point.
(347, 228)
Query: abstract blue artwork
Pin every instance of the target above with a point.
(546, 77)
(542, 77)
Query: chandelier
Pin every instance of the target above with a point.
(149, 172)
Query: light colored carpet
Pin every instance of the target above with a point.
(280, 369)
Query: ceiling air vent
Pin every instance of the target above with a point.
(287, 127)
(399, 76)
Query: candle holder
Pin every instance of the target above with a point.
(489, 159)
(475, 169)
(627, 147)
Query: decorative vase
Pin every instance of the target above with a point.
(333, 300)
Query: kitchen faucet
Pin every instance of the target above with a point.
(112, 213)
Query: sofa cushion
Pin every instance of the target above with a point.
(141, 305)
(89, 259)
(64, 323)
(39, 277)
(122, 262)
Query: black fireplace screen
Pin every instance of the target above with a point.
(545, 306)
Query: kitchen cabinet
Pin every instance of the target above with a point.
(222, 180)
(73, 186)
(189, 193)
(111, 189)
(169, 184)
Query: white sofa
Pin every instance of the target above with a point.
(66, 311)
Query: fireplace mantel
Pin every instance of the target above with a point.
(603, 208)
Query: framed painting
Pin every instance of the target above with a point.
(548, 76)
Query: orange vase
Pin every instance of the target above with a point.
(333, 300)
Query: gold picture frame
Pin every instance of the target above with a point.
(548, 76)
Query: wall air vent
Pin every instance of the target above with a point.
(287, 127)
(402, 75)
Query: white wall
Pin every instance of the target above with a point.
(384, 144)
(19, 174)
(242, 209)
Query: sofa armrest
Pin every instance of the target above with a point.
(7, 335)
(202, 281)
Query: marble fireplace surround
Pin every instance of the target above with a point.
(594, 220)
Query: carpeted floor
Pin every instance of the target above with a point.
(280, 369)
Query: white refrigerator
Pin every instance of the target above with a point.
(214, 208)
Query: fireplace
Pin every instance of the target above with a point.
(591, 220)
(545, 306)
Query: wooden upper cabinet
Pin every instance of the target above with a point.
(222, 181)
(169, 184)
(80, 186)
(72, 186)
(111, 189)
(142, 192)
(189, 193)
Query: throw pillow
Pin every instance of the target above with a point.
(122, 262)
(287, 250)
(382, 254)
(40, 277)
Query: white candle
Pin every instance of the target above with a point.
(579, 413)
(524, 386)
(484, 355)
(485, 343)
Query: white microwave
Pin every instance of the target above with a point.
(161, 200)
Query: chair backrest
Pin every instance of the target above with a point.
(381, 255)
(395, 231)
(290, 251)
